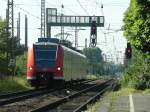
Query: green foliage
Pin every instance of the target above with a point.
(21, 64)
(113, 69)
(6, 48)
(91, 77)
(95, 60)
(16, 82)
(137, 25)
(9, 84)
(137, 32)
(94, 55)
(3, 47)
(97, 65)
(137, 75)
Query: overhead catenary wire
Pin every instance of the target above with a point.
(27, 12)
(82, 7)
(118, 4)
(37, 17)
(66, 7)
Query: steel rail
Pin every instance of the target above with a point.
(2, 96)
(92, 99)
(55, 104)
(21, 97)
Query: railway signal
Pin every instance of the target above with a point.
(128, 51)
(93, 28)
(93, 36)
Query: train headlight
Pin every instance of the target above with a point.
(31, 68)
(58, 68)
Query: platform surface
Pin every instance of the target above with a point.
(129, 103)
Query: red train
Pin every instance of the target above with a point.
(50, 63)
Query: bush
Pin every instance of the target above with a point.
(143, 82)
(21, 64)
(137, 75)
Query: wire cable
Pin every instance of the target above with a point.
(27, 12)
(82, 7)
(16, 5)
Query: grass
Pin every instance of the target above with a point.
(147, 91)
(126, 91)
(107, 97)
(10, 84)
(92, 77)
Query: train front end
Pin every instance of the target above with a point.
(44, 64)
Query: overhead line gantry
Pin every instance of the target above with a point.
(52, 19)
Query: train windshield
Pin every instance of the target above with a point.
(45, 55)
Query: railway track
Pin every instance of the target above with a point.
(32, 103)
(78, 101)
(17, 93)
(9, 98)
(19, 96)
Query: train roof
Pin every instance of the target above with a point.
(45, 43)
(54, 41)
(73, 51)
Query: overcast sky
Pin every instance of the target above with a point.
(112, 43)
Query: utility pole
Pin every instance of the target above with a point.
(18, 29)
(86, 43)
(7, 30)
(10, 25)
(26, 32)
(42, 18)
(76, 37)
(62, 27)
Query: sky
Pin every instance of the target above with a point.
(110, 42)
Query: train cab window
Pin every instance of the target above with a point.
(45, 56)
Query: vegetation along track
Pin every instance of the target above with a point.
(19, 96)
(78, 101)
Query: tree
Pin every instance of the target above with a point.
(94, 55)
(137, 25)
(95, 59)
(137, 74)
(98, 66)
(3, 46)
(6, 47)
(137, 32)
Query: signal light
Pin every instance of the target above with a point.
(93, 28)
(128, 51)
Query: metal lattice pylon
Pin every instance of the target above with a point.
(11, 61)
(11, 18)
(43, 18)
